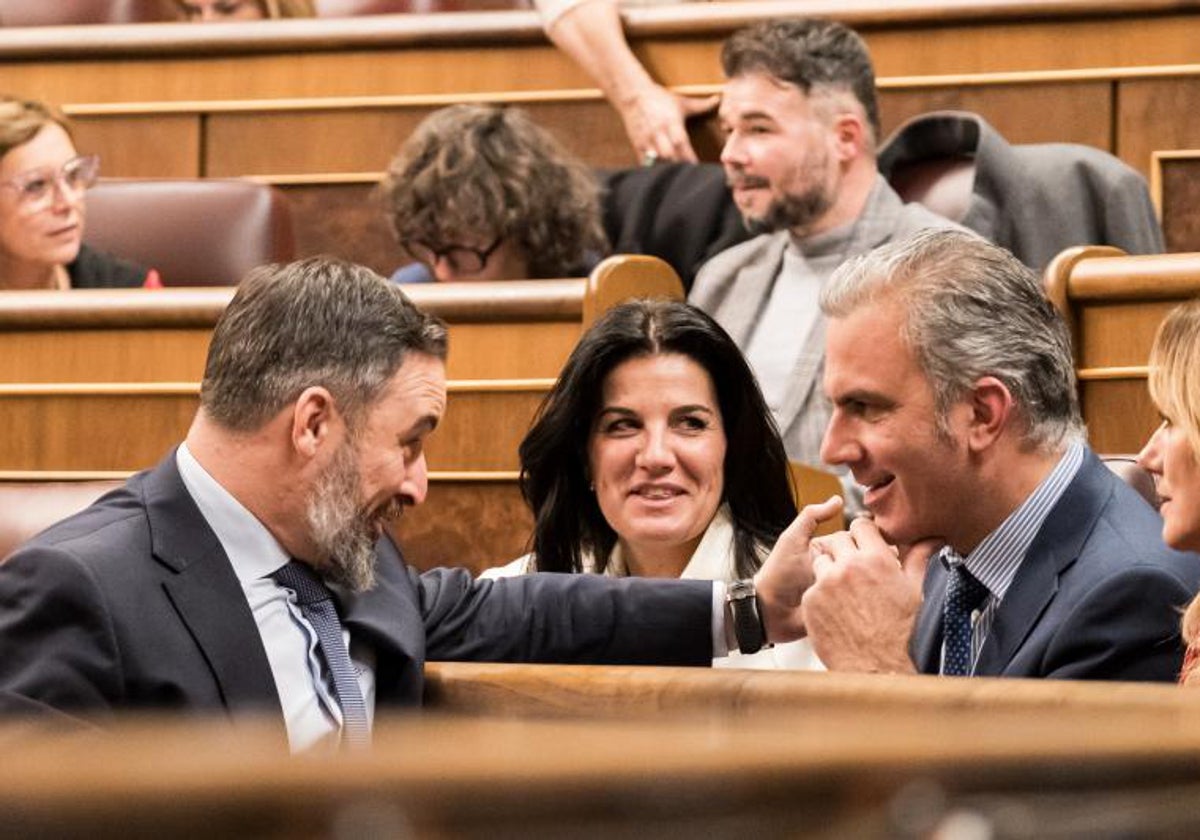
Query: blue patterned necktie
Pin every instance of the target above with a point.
(316, 604)
(964, 595)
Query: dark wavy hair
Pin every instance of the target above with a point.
(554, 454)
(493, 172)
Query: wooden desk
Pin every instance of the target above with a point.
(864, 757)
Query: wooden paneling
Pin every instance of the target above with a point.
(1083, 111)
(306, 142)
(70, 430)
(464, 522)
(106, 381)
(161, 145)
(1156, 114)
(1120, 417)
(69, 427)
(364, 139)
(102, 355)
(1175, 183)
(344, 219)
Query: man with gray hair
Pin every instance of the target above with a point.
(247, 572)
(954, 405)
(801, 122)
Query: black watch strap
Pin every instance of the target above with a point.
(747, 619)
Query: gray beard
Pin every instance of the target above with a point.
(341, 531)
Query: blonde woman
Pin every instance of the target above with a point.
(1172, 454)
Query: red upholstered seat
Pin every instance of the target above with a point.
(27, 507)
(194, 232)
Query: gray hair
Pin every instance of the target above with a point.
(971, 310)
(818, 56)
(320, 321)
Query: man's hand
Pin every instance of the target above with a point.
(862, 607)
(788, 572)
(655, 122)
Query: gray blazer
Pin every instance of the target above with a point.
(735, 285)
(1034, 199)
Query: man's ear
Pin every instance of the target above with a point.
(992, 408)
(314, 418)
(850, 136)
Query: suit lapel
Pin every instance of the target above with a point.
(750, 290)
(206, 594)
(387, 619)
(925, 647)
(1054, 549)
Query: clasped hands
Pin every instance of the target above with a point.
(854, 595)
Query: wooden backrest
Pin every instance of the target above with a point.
(107, 381)
(1113, 304)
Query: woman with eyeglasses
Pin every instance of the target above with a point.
(213, 11)
(42, 184)
(480, 192)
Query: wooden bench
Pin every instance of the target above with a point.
(1114, 304)
(98, 384)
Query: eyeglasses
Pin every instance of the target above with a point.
(35, 189)
(460, 258)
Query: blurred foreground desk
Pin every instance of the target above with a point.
(750, 754)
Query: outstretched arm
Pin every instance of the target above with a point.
(590, 33)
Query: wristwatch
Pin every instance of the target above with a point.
(742, 601)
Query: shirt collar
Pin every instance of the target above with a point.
(712, 559)
(995, 561)
(252, 550)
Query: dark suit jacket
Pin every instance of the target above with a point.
(682, 213)
(1098, 596)
(133, 604)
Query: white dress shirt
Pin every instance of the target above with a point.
(310, 709)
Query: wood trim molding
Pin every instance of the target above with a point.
(353, 103)
(1156, 173)
(1102, 374)
(444, 476)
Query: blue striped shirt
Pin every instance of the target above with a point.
(996, 559)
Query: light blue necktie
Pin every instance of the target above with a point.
(316, 604)
(964, 595)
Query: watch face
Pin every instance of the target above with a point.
(740, 589)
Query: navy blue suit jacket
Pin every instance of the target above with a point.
(1098, 596)
(132, 603)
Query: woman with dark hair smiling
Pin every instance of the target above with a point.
(654, 455)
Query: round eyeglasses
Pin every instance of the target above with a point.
(35, 188)
(460, 258)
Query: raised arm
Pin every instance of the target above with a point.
(590, 32)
